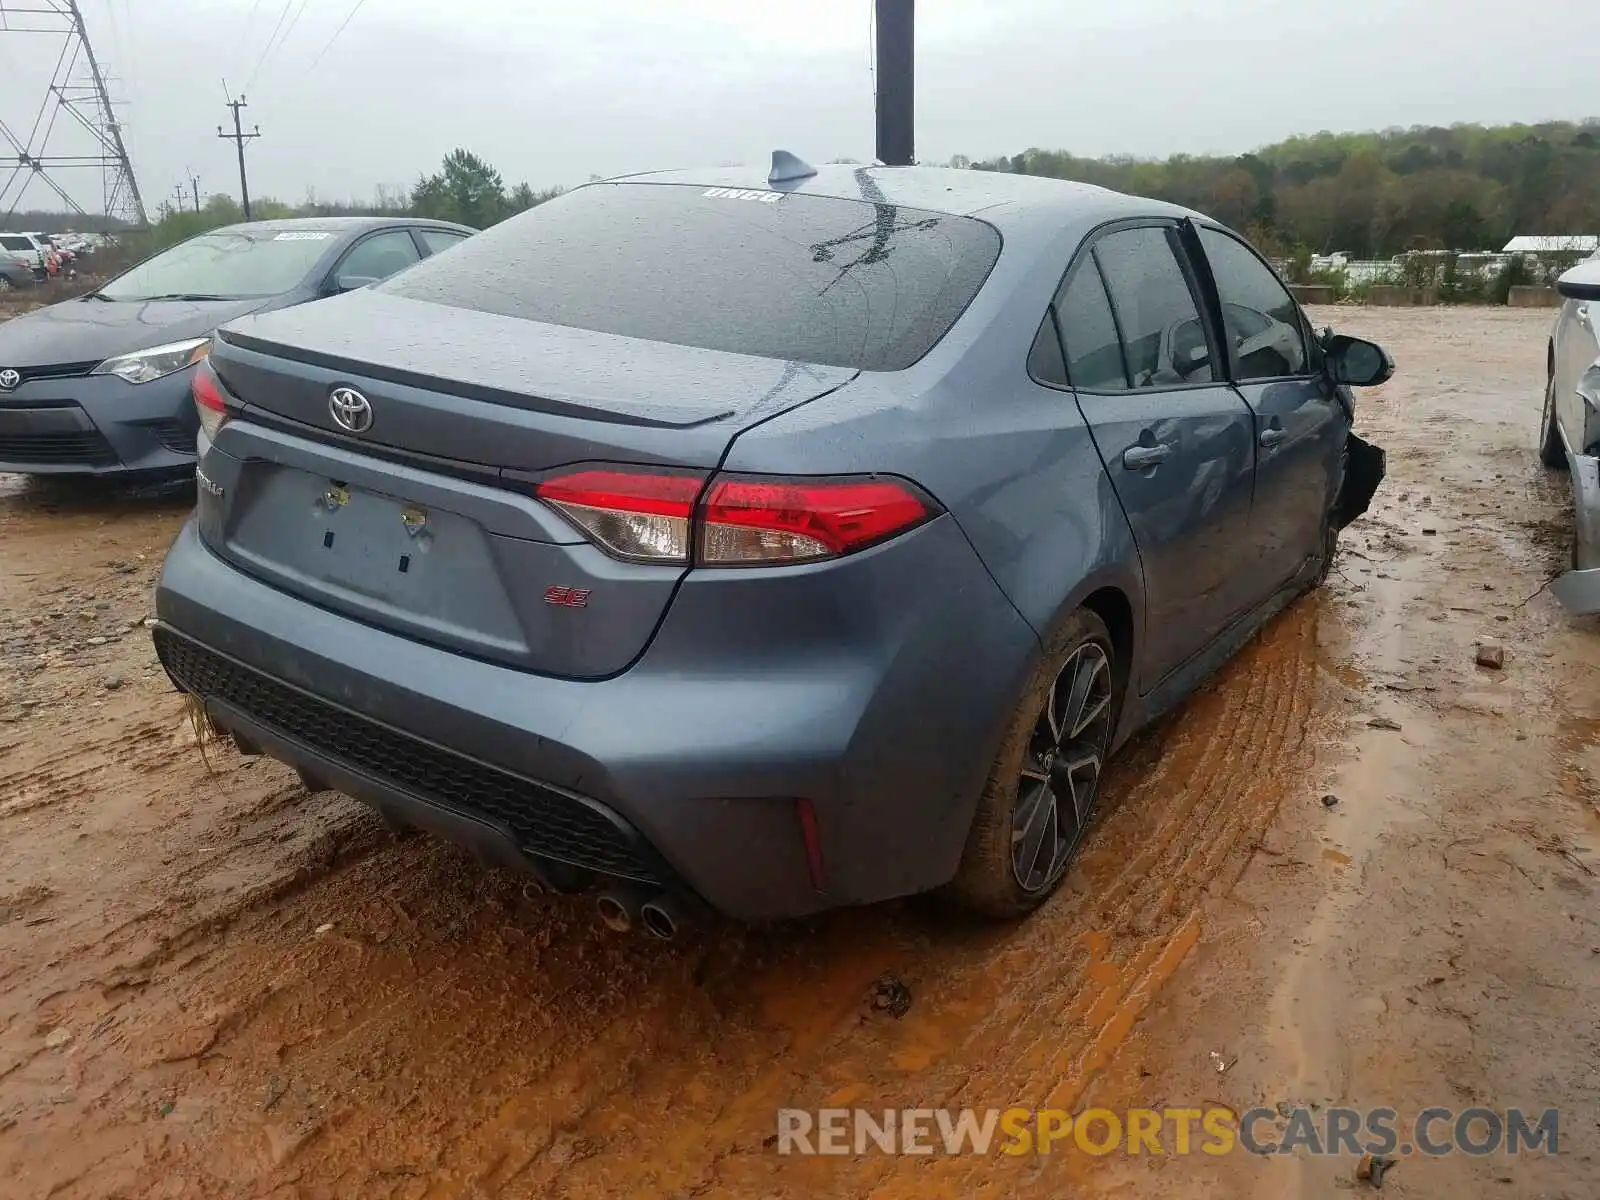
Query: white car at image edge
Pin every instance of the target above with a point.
(1570, 436)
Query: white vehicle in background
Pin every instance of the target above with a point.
(1570, 438)
(23, 246)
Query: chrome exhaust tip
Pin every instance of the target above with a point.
(661, 917)
(619, 910)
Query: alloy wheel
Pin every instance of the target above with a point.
(1061, 771)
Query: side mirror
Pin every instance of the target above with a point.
(1357, 362)
(1582, 282)
(350, 283)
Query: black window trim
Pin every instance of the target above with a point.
(1086, 250)
(1196, 249)
(1116, 324)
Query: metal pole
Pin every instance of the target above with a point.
(239, 137)
(896, 99)
(113, 126)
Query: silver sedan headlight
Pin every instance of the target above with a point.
(144, 365)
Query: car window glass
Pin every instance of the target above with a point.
(16, 243)
(1154, 304)
(812, 279)
(380, 256)
(1262, 319)
(440, 239)
(227, 264)
(1044, 360)
(1156, 308)
(1094, 356)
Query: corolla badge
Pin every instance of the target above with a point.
(350, 409)
(9, 378)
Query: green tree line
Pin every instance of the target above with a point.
(465, 189)
(1374, 195)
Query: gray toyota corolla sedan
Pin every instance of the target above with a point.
(100, 385)
(777, 544)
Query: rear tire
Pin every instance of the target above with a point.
(1551, 452)
(1042, 789)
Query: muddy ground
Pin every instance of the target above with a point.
(213, 984)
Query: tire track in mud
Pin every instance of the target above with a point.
(75, 764)
(1039, 1011)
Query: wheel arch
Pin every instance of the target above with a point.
(1112, 606)
(1115, 595)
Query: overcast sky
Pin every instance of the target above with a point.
(552, 93)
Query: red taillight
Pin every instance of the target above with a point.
(208, 400)
(642, 516)
(797, 520)
(650, 516)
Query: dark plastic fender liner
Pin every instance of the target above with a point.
(1363, 473)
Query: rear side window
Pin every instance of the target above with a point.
(1094, 356)
(1161, 329)
(440, 239)
(815, 279)
(16, 243)
(379, 256)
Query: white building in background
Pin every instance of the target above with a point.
(1576, 243)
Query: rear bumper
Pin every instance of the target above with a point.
(98, 425)
(875, 688)
(1579, 589)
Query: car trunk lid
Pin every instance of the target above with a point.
(425, 522)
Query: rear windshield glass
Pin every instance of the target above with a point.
(225, 266)
(810, 278)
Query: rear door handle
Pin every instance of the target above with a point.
(1142, 458)
(1271, 437)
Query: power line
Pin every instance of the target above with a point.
(287, 31)
(250, 19)
(336, 34)
(271, 38)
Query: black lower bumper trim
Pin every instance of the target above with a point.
(500, 815)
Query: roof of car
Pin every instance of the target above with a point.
(337, 224)
(994, 194)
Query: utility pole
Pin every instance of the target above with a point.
(194, 182)
(239, 137)
(896, 75)
(182, 198)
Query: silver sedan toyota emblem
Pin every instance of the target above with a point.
(9, 378)
(350, 409)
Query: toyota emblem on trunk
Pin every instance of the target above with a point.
(351, 410)
(9, 378)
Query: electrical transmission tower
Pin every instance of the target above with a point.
(92, 136)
